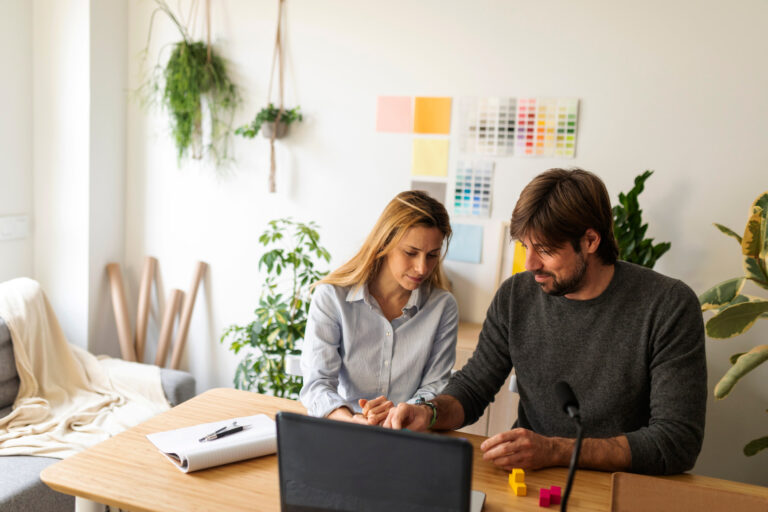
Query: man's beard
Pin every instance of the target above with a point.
(570, 284)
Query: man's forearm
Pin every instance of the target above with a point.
(611, 454)
(450, 413)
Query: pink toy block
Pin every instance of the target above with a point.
(544, 497)
(554, 495)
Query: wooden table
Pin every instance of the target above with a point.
(127, 471)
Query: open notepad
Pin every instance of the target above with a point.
(183, 447)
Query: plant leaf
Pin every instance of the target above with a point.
(744, 364)
(721, 294)
(755, 446)
(728, 232)
(752, 247)
(736, 319)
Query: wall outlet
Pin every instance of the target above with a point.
(14, 227)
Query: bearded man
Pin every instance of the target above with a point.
(628, 340)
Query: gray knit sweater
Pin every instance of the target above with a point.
(634, 357)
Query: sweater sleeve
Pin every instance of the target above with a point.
(477, 383)
(678, 389)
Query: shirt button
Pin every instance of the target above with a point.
(386, 363)
(389, 333)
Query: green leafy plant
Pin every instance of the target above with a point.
(629, 230)
(281, 316)
(269, 115)
(735, 312)
(194, 75)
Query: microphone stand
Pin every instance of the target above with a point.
(574, 460)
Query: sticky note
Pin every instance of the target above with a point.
(518, 258)
(435, 189)
(432, 115)
(394, 114)
(466, 243)
(430, 157)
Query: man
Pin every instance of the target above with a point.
(628, 340)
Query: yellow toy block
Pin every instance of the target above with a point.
(517, 482)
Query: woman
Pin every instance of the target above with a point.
(382, 327)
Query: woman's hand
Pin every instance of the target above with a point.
(344, 414)
(376, 410)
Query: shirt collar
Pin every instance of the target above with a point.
(415, 301)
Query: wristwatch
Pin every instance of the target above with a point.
(431, 405)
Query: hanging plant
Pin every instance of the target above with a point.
(194, 75)
(273, 122)
(268, 118)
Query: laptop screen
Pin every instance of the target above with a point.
(333, 465)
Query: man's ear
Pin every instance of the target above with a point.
(590, 241)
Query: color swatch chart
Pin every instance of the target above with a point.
(474, 188)
(546, 127)
(489, 125)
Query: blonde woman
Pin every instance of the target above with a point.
(382, 327)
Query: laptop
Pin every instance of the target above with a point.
(332, 465)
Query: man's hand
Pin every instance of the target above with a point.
(412, 417)
(522, 448)
(375, 411)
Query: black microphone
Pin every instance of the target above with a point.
(568, 401)
(570, 405)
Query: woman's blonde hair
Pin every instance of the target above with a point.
(406, 210)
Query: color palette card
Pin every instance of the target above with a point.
(474, 188)
(466, 243)
(432, 115)
(546, 126)
(488, 125)
(394, 114)
(567, 120)
(430, 157)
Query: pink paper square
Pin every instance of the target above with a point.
(394, 114)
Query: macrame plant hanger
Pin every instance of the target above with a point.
(277, 58)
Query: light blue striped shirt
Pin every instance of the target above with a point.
(352, 351)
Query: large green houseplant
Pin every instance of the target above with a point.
(193, 82)
(293, 248)
(736, 312)
(629, 230)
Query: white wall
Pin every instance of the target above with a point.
(676, 87)
(60, 160)
(16, 132)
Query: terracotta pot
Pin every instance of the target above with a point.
(268, 127)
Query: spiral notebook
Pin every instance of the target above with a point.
(184, 448)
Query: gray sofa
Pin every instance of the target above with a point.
(21, 489)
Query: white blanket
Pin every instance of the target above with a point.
(68, 399)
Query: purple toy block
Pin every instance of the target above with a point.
(543, 497)
(554, 495)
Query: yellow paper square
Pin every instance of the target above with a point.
(432, 115)
(430, 157)
(518, 259)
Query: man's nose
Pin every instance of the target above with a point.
(532, 261)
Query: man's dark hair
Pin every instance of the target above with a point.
(559, 205)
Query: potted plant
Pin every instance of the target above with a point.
(735, 312)
(194, 74)
(629, 230)
(270, 121)
(274, 336)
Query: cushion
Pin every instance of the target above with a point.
(23, 491)
(178, 386)
(9, 379)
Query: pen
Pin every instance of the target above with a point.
(222, 433)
